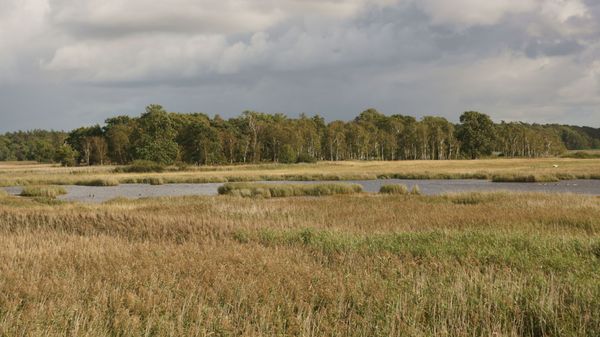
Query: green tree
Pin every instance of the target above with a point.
(66, 156)
(154, 137)
(476, 134)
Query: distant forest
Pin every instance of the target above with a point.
(252, 137)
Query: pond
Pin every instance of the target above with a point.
(428, 187)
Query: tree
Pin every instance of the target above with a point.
(66, 156)
(476, 134)
(154, 137)
(200, 143)
(118, 132)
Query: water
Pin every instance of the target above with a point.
(428, 187)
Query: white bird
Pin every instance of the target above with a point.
(555, 166)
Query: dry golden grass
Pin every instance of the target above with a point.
(480, 169)
(479, 264)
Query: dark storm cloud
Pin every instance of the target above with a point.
(64, 63)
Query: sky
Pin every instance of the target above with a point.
(67, 63)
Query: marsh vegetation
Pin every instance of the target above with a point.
(342, 265)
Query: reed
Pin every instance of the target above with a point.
(524, 178)
(394, 189)
(287, 190)
(98, 182)
(467, 264)
(43, 191)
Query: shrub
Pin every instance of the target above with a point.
(142, 166)
(582, 155)
(394, 189)
(43, 191)
(306, 158)
(287, 155)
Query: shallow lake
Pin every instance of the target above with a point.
(428, 187)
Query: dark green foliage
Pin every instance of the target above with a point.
(255, 137)
(154, 137)
(287, 155)
(142, 166)
(476, 134)
(306, 158)
(37, 145)
(582, 155)
(66, 156)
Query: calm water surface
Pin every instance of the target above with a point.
(428, 187)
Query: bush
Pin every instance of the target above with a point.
(394, 189)
(287, 155)
(582, 155)
(43, 191)
(306, 158)
(142, 166)
(286, 190)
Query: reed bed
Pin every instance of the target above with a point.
(287, 190)
(398, 189)
(43, 191)
(474, 264)
(558, 168)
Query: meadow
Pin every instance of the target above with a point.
(533, 170)
(477, 264)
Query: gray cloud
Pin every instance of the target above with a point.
(69, 62)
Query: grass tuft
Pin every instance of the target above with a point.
(394, 189)
(256, 190)
(43, 191)
(98, 182)
(527, 178)
(416, 190)
(142, 166)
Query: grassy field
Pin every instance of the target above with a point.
(502, 169)
(491, 264)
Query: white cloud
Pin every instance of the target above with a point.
(508, 55)
(473, 12)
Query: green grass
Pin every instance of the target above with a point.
(287, 190)
(43, 191)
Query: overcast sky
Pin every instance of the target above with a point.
(66, 63)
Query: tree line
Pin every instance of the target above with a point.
(195, 138)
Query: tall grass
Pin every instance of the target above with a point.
(525, 178)
(11, 175)
(43, 191)
(287, 190)
(98, 182)
(394, 189)
(474, 264)
(142, 166)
